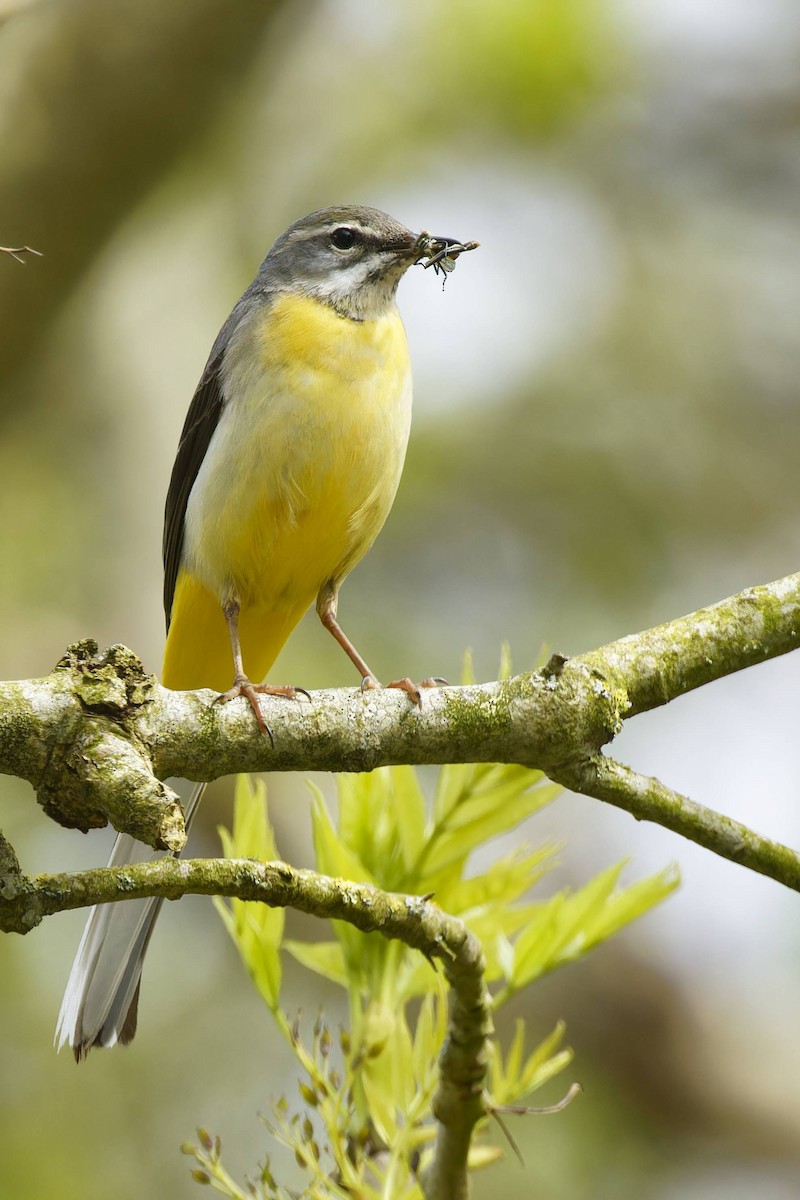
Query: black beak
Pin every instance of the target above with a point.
(428, 244)
(442, 243)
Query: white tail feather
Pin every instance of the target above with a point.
(99, 1005)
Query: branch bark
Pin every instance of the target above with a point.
(458, 1103)
(97, 736)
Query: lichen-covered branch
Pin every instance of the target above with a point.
(96, 737)
(10, 873)
(648, 799)
(458, 1103)
(661, 664)
(70, 736)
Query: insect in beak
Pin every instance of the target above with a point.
(441, 253)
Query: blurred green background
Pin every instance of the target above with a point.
(606, 435)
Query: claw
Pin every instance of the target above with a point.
(413, 690)
(243, 687)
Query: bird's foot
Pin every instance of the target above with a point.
(412, 690)
(243, 687)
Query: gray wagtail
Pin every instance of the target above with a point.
(286, 470)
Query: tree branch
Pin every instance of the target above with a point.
(648, 799)
(665, 662)
(458, 1103)
(97, 736)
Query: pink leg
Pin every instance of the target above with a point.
(241, 684)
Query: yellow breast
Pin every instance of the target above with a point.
(304, 465)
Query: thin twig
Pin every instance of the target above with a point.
(18, 251)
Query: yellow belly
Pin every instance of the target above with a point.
(296, 484)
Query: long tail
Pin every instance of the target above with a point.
(102, 994)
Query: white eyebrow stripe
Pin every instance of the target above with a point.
(366, 231)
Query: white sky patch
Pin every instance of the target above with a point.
(545, 276)
(708, 25)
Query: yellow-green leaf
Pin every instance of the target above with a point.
(333, 856)
(326, 958)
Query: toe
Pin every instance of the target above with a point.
(243, 687)
(411, 689)
(289, 693)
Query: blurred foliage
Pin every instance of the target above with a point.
(110, 96)
(526, 68)
(604, 436)
(365, 1125)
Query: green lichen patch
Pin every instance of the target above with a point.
(113, 680)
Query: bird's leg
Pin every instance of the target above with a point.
(326, 610)
(242, 686)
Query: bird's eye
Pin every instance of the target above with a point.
(343, 238)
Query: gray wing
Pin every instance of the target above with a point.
(201, 421)
(198, 429)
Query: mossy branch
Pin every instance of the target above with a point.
(420, 924)
(97, 736)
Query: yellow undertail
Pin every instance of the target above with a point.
(198, 650)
